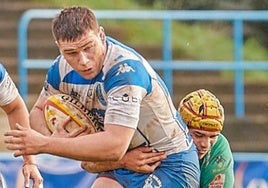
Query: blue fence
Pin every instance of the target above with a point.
(167, 64)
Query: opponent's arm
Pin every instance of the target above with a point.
(97, 167)
(141, 159)
(17, 113)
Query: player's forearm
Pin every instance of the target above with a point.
(109, 145)
(29, 159)
(17, 113)
(94, 147)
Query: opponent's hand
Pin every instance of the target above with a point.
(142, 159)
(62, 132)
(30, 171)
(24, 141)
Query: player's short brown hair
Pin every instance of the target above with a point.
(72, 22)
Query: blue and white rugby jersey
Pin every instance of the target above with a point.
(8, 90)
(127, 92)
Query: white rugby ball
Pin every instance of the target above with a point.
(58, 107)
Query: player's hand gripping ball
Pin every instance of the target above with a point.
(58, 107)
(202, 110)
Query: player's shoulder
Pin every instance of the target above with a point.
(221, 147)
(59, 67)
(55, 72)
(56, 64)
(217, 165)
(118, 52)
(222, 140)
(2, 72)
(219, 157)
(122, 58)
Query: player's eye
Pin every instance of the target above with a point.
(87, 49)
(70, 53)
(198, 135)
(213, 136)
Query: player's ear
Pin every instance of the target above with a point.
(102, 34)
(56, 42)
(58, 45)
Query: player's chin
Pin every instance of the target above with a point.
(201, 154)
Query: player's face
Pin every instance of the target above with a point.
(203, 140)
(86, 54)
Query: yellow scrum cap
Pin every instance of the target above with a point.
(201, 109)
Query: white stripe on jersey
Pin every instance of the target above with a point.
(8, 90)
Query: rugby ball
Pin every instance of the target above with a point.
(58, 107)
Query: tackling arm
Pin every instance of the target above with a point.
(141, 159)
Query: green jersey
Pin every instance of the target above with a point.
(217, 166)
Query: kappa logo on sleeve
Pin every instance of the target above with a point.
(124, 68)
(9, 83)
(218, 181)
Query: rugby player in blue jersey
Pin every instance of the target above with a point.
(17, 112)
(128, 101)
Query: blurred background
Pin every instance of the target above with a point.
(192, 40)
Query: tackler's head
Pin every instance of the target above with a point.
(202, 110)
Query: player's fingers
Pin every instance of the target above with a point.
(14, 133)
(13, 146)
(153, 159)
(38, 183)
(60, 130)
(12, 140)
(145, 149)
(18, 153)
(20, 127)
(154, 165)
(148, 168)
(87, 130)
(78, 131)
(27, 180)
(63, 124)
(160, 155)
(8, 140)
